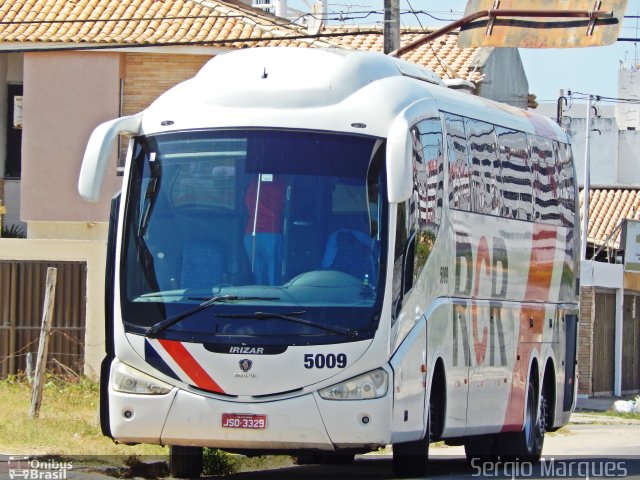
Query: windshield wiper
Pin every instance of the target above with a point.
(291, 317)
(154, 330)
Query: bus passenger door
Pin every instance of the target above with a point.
(409, 385)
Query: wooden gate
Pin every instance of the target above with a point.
(604, 342)
(631, 344)
(22, 285)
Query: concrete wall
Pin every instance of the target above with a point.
(91, 252)
(505, 79)
(615, 152)
(66, 95)
(604, 148)
(629, 158)
(628, 114)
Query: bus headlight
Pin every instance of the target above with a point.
(129, 380)
(372, 384)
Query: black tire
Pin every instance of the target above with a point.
(339, 459)
(482, 449)
(526, 445)
(185, 462)
(410, 458)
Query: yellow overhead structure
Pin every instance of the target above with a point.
(533, 24)
(543, 23)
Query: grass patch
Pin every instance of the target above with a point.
(68, 424)
(564, 430)
(69, 428)
(628, 416)
(217, 462)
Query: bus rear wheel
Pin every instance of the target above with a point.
(185, 462)
(527, 444)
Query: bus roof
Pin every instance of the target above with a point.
(320, 89)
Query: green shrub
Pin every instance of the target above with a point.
(12, 231)
(217, 462)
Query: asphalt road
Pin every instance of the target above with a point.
(581, 451)
(585, 450)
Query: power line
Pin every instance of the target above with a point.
(600, 98)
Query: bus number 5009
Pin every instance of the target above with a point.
(325, 361)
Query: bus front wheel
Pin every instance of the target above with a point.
(410, 458)
(185, 462)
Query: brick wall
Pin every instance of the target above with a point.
(147, 75)
(585, 339)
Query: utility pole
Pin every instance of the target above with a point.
(391, 25)
(587, 181)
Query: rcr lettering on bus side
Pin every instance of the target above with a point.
(489, 263)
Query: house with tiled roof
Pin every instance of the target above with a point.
(609, 343)
(129, 52)
(68, 65)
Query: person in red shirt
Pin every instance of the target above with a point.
(265, 201)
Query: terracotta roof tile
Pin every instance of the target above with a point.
(229, 23)
(442, 55)
(142, 22)
(607, 208)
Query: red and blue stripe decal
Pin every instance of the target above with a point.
(162, 353)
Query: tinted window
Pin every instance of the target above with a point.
(566, 185)
(515, 174)
(485, 168)
(428, 181)
(459, 191)
(275, 216)
(545, 185)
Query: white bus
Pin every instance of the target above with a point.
(322, 252)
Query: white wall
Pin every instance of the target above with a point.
(603, 275)
(604, 150)
(629, 157)
(615, 153)
(628, 115)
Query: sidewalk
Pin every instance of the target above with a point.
(598, 404)
(590, 411)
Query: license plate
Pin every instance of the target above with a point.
(244, 420)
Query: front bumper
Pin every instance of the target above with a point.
(305, 422)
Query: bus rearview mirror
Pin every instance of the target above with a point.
(99, 152)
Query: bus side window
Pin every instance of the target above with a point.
(459, 194)
(485, 197)
(428, 182)
(402, 238)
(566, 186)
(515, 178)
(545, 185)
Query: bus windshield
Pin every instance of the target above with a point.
(268, 223)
